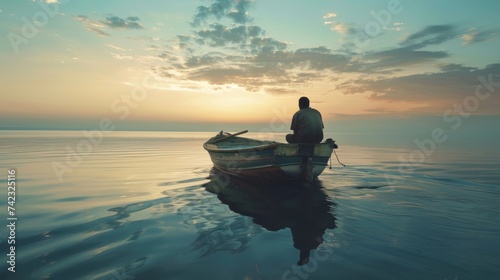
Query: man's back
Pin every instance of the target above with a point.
(308, 124)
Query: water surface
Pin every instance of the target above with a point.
(148, 205)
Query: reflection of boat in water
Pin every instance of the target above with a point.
(268, 159)
(307, 212)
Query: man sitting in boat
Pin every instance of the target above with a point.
(307, 124)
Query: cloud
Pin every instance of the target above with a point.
(227, 47)
(247, 37)
(339, 27)
(342, 28)
(434, 91)
(438, 90)
(474, 36)
(116, 47)
(330, 15)
(241, 53)
(319, 58)
(410, 51)
(252, 60)
(392, 60)
(266, 45)
(111, 22)
(273, 69)
(235, 10)
(431, 35)
(451, 67)
(97, 31)
(397, 26)
(219, 35)
(115, 22)
(91, 25)
(211, 59)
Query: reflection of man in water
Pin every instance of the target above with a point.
(273, 206)
(312, 219)
(306, 239)
(307, 124)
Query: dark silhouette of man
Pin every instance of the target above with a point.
(307, 124)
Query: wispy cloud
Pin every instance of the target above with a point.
(451, 67)
(329, 15)
(475, 36)
(115, 47)
(339, 27)
(342, 28)
(438, 90)
(115, 22)
(397, 26)
(92, 25)
(431, 35)
(411, 50)
(110, 22)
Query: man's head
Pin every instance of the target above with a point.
(303, 102)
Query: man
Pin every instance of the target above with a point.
(307, 124)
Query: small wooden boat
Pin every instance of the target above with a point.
(265, 160)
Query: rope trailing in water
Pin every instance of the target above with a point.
(337, 159)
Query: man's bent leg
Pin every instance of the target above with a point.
(290, 138)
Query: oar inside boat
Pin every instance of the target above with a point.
(217, 139)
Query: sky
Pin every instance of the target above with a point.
(199, 65)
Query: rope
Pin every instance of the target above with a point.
(337, 159)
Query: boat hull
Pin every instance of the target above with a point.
(249, 157)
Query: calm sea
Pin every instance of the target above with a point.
(147, 205)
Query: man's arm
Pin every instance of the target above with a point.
(294, 126)
(321, 118)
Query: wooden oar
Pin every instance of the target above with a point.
(227, 136)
